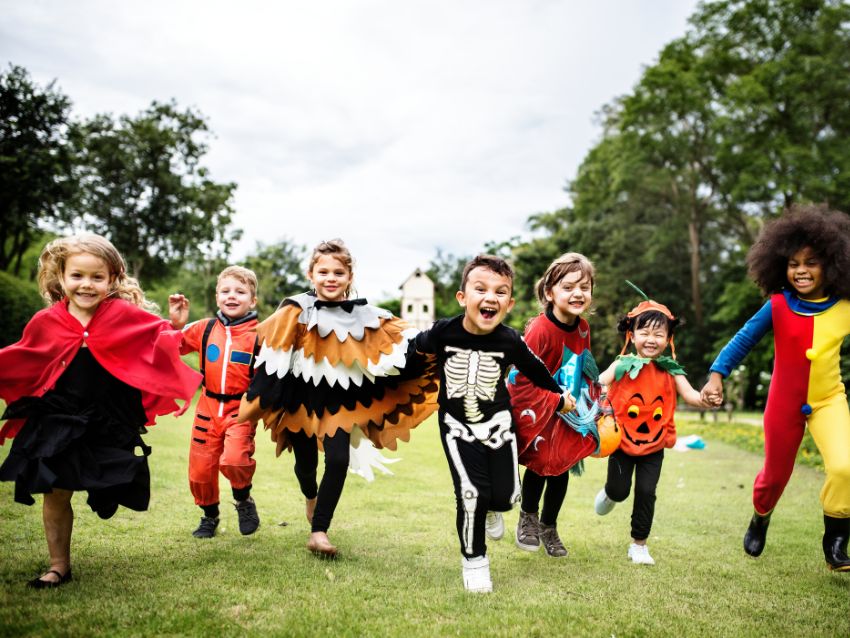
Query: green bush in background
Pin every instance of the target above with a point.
(19, 301)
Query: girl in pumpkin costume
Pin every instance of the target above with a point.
(802, 260)
(642, 388)
(330, 371)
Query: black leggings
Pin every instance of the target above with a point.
(647, 470)
(327, 493)
(556, 492)
(485, 479)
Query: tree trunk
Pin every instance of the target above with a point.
(693, 237)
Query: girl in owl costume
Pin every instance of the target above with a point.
(330, 371)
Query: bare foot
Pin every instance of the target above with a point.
(321, 546)
(309, 508)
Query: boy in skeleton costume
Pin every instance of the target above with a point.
(473, 352)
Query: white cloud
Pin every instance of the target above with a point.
(399, 126)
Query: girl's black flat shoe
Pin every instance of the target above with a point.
(37, 583)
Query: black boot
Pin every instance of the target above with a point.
(756, 535)
(836, 532)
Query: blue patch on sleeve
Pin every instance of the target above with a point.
(240, 357)
(213, 353)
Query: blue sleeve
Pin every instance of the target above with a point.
(743, 341)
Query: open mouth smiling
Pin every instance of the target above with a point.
(488, 313)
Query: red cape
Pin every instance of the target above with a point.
(133, 345)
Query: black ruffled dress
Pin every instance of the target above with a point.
(85, 434)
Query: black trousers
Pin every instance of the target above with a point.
(647, 470)
(533, 485)
(328, 492)
(485, 479)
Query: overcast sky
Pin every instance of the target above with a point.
(400, 126)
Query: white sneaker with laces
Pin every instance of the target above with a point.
(494, 525)
(639, 554)
(476, 575)
(603, 504)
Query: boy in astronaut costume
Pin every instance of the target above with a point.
(220, 442)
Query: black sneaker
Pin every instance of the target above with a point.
(207, 527)
(249, 520)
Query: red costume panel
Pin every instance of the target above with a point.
(220, 441)
(546, 444)
(133, 345)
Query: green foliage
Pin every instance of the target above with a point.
(142, 185)
(745, 432)
(19, 301)
(36, 162)
(280, 270)
(744, 114)
(392, 305)
(445, 271)
(195, 280)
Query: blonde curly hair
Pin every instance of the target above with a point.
(51, 267)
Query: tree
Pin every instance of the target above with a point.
(445, 271)
(743, 115)
(280, 270)
(142, 185)
(36, 161)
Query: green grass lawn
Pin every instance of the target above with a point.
(399, 574)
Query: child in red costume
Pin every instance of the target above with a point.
(547, 442)
(220, 441)
(642, 388)
(802, 261)
(87, 375)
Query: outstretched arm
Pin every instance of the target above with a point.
(178, 310)
(688, 394)
(607, 376)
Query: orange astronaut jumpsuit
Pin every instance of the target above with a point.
(219, 440)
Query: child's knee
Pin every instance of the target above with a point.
(618, 493)
(337, 457)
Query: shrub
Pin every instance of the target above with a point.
(19, 301)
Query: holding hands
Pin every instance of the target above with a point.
(712, 391)
(569, 402)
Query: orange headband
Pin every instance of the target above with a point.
(646, 306)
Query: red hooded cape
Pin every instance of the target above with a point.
(133, 345)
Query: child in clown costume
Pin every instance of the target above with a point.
(642, 389)
(88, 374)
(550, 443)
(220, 441)
(331, 370)
(802, 261)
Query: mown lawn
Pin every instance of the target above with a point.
(142, 574)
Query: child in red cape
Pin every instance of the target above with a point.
(89, 372)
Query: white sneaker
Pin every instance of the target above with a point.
(494, 525)
(639, 554)
(603, 504)
(476, 575)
